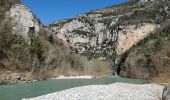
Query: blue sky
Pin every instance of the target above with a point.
(51, 10)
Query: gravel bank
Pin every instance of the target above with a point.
(74, 77)
(116, 91)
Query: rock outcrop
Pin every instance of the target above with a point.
(109, 30)
(166, 93)
(9, 77)
(22, 20)
(106, 33)
(132, 34)
(27, 46)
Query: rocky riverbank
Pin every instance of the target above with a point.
(13, 78)
(116, 91)
(74, 77)
(166, 93)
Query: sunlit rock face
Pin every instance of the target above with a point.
(99, 37)
(132, 34)
(114, 29)
(22, 19)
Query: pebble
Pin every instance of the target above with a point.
(115, 91)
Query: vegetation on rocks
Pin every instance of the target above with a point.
(85, 33)
(150, 58)
(42, 57)
(46, 56)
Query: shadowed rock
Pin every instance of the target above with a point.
(166, 92)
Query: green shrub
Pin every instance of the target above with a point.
(140, 62)
(2, 66)
(36, 47)
(85, 33)
(51, 39)
(139, 16)
(159, 44)
(2, 54)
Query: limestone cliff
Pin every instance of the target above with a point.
(28, 49)
(113, 29)
(112, 34)
(22, 19)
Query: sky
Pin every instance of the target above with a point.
(49, 11)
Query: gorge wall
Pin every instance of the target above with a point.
(107, 30)
(112, 32)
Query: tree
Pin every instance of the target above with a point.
(36, 49)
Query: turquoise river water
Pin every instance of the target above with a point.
(28, 90)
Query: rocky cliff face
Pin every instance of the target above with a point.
(113, 29)
(150, 57)
(112, 32)
(22, 20)
(29, 51)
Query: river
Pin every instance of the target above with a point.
(28, 90)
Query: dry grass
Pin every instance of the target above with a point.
(54, 74)
(101, 74)
(162, 78)
(28, 76)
